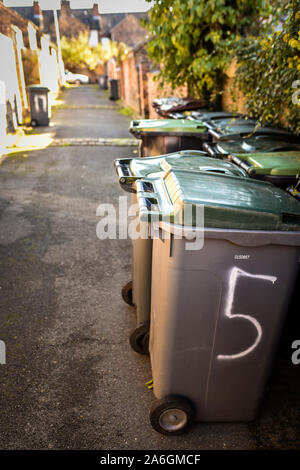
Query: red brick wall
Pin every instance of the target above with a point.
(113, 70)
(227, 101)
(138, 89)
(130, 83)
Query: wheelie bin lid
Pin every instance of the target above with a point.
(38, 87)
(272, 163)
(200, 114)
(166, 127)
(228, 127)
(131, 169)
(229, 202)
(206, 115)
(256, 143)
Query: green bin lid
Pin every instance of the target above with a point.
(272, 163)
(232, 126)
(166, 126)
(229, 202)
(131, 169)
(256, 143)
(38, 87)
(142, 167)
(206, 115)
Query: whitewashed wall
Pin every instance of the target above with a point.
(9, 79)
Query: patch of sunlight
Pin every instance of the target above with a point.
(58, 102)
(70, 85)
(27, 143)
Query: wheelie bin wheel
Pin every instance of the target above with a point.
(139, 339)
(171, 415)
(127, 293)
(33, 123)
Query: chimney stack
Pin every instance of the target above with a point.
(37, 15)
(65, 8)
(96, 24)
(96, 10)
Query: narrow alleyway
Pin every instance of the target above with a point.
(71, 379)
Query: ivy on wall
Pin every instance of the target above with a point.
(193, 40)
(268, 70)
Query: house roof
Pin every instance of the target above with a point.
(129, 31)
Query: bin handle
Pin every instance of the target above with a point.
(143, 186)
(153, 200)
(123, 177)
(245, 165)
(148, 200)
(148, 205)
(208, 148)
(119, 166)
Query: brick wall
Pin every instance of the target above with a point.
(137, 83)
(113, 69)
(227, 102)
(130, 87)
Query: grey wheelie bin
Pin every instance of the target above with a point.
(256, 143)
(162, 136)
(217, 311)
(138, 291)
(40, 110)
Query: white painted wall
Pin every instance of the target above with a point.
(48, 66)
(8, 74)
(19, 46)
(2, 112)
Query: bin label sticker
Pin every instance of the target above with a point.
(235, 274)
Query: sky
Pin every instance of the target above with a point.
(105, 6)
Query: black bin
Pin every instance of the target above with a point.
(39, 105)
(114, 89)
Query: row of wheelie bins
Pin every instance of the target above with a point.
(213, 278)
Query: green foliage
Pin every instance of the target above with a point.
(192, 39)
(268, 67)
(77, 52)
